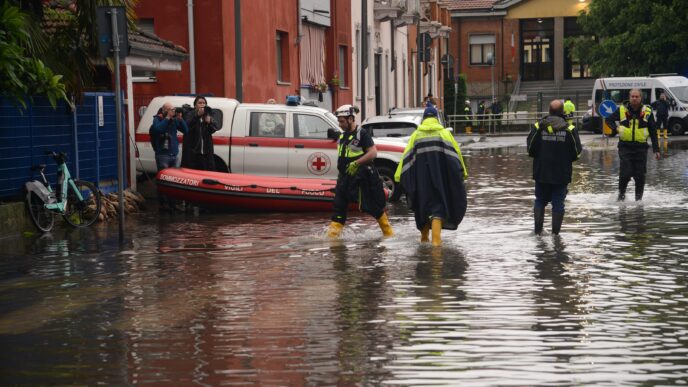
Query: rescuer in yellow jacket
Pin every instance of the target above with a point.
(432, 173)
(636, 125)
(569, 109)
(358, 179)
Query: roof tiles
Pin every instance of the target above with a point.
(464, 5)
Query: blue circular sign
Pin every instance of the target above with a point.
(607, 108)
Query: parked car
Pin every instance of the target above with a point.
(392, 125)
(272, 140)
(590, 123)
(397, 122)
(415, 112)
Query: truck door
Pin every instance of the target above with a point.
(311, 153)
(265, 147)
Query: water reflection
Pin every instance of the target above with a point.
(267, 300)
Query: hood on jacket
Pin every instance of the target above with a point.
(557, 122)
(430, 123)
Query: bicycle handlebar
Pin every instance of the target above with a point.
(59, 157)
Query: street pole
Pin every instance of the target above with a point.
(364, 55)
(491, 61)
(118, 114)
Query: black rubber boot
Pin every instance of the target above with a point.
(622, 190)
(639, 188)
(557, 220)
(539, 216)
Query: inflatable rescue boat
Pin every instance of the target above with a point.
(238, 192)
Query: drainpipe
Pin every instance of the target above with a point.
(192, 50)
(364, 55)
(238, 52)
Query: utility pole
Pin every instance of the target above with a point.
(364, 55)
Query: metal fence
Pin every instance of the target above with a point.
(87, 135)
(500, 123)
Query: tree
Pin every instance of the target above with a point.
(633, 37)
(63, 34)
(22, 75)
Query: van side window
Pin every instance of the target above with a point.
(267, 124)
(307, 126)
(659, 92)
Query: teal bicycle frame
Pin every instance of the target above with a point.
(45, 191)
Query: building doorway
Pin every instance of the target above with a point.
(537, 49)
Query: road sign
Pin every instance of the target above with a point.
(105, 38)
(607, 108)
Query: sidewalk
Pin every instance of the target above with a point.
(516, 139)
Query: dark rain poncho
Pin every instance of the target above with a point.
(432, 173)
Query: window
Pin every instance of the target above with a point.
(342, 66)
(282, 49)
(267, 124)
(480, 47)
(138, 74)
(306, 126)
(621, 95)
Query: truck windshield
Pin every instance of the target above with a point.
(680, 92)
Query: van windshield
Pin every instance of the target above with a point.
(680, 92)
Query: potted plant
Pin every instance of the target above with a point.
(334, 82)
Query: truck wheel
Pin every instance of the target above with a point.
(387, 177)
(220, 165)
(676, 127)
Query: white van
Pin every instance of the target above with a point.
(618, 89)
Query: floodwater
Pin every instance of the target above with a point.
(226, 299)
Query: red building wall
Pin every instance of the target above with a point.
(214, 23)
(463, 28)
(339, 34)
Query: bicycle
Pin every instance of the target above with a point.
(78, 201)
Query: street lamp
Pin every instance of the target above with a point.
(491, 62)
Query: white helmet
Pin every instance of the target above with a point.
(346, 111)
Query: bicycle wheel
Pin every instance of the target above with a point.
(41, 217)
(82, 213)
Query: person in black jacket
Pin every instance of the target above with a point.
(554, 145)
(661, 107)
(197, 147)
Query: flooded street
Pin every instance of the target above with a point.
(266, 299)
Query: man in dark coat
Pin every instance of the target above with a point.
(432, 173)
(554, 145)
(661, 107)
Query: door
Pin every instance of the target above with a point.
(311, 153)
(537, 49)
(265, 147)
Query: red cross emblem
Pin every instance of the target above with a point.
(318, 163)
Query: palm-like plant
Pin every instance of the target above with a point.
(65, 35)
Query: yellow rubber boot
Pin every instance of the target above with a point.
(425, 232)
(385, 226)
(335, 230)
(436, 230)
(666, 134)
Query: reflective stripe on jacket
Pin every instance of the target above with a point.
(347, 147)
(435, 138)
(633, 128)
